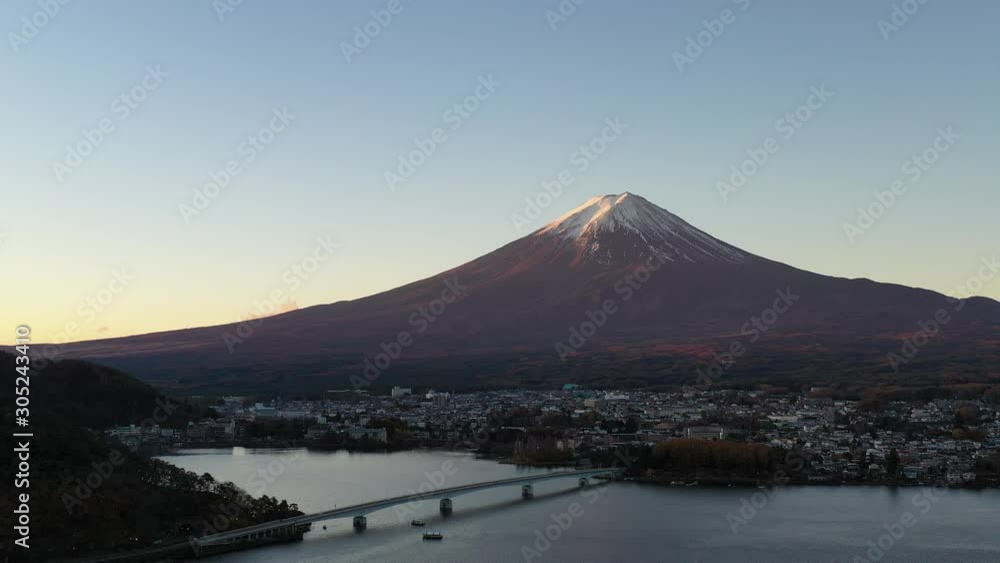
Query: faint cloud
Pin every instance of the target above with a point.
(291, 305)
(272, 308)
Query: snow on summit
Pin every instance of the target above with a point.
(626, 226)
(604, 213)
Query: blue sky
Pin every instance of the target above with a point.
(221, 79)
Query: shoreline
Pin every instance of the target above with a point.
(736, 484)
(689, 481)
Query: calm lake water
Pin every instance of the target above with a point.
(621, 522)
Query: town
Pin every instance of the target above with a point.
(943, 442)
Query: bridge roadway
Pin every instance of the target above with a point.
(261, 530)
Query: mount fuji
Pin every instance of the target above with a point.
(626, 228)
(616, 292)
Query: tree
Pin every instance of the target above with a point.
(993, 395)
(967, 415)
(631, 425)
(892, 463)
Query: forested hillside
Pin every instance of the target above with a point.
(89, 495)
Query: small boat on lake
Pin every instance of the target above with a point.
(434, 536)
(418, 523)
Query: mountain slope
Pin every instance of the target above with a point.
(679, 296)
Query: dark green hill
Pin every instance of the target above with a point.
(90, 495)
(98, 397)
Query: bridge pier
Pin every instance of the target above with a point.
(527, 491)
(446, 506)
(584, 481)
(360, 523)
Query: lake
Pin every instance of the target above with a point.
(621, 522)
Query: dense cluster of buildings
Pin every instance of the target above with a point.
(842, 441)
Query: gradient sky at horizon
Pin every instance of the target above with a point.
(323, 176)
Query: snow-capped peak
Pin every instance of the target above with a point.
(601, 212)
(628, 226)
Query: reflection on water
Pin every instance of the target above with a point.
(622, 522)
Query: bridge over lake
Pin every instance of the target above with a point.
(295, 526)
